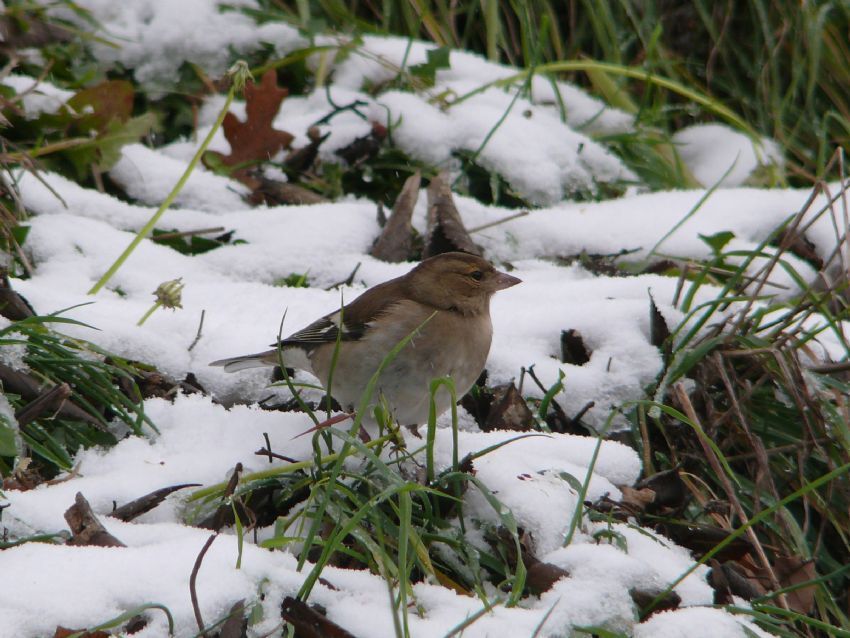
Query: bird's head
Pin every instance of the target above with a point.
(457, 281)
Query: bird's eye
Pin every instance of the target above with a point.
(476, 275)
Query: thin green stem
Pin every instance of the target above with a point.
(147, 228)
(626, 71)
(281, 470)
(151, 310)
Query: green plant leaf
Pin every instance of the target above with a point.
(718, 241)
(7, 438)
(20, 232)
(118, 134)
(437, 59)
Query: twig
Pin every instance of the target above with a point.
(590, 404)
(522, 213)
(219, 517)
(780, 449)
(347, 281)
(558, 409)
(267, 451)
(339, 418)
(337, 109)
(48, 401)
(830, 368)
(688, 408)
(193, 578)
(200, 327)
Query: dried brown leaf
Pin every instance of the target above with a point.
(30, 388)
(396, 239)
(639, 499)
(86, 528)
(146, 503)
(64, 632)
(732, 579)
(255, 139)
(670, 491)
(275, 192)
(794, 570)
(103, 103)
(508, 411)
(12, 305)
(364, 148)
(308, 622)
(644, 599)
(659, 333)
(24, 31)
(702, 538)
(573, 349)
(236, 625)
(445, 229)
(50, 401)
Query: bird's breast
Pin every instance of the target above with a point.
(443, 344)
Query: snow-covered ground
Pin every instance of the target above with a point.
(73, 241)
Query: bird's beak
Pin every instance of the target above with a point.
(504, 280)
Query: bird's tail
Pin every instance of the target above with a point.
(235, 364)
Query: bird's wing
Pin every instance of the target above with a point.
(352, 321)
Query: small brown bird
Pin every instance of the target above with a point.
(453, 287)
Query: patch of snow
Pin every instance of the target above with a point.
(698, 622)
(156, 38)
(718, 154)
(38, 96)
(148, 176)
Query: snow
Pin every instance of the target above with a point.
(201, 438)
(717, 154)
(38, 97)
(156, 38)
(148, 177)
(698, 622)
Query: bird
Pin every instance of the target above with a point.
(443, 302)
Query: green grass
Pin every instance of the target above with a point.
(102, 387)
(780, 65)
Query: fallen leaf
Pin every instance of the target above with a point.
(643, 598)
(732, 579)
(301, 159)
(64, 632)
(445, 229)
(21, 30)
(396, 239)
(97, 106)
(146, 503)
(670, 491)
(701, 538)
(254, 140)
(12, 305)
(639, 499)
(86, 528)
(508, 411)
(236, 625)
(659, 333)
(49, 401)
(792, 571)
(797, 243)
(30, 388)
(364, 148)
(308, 622)
(275, 192)
(573, 349)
